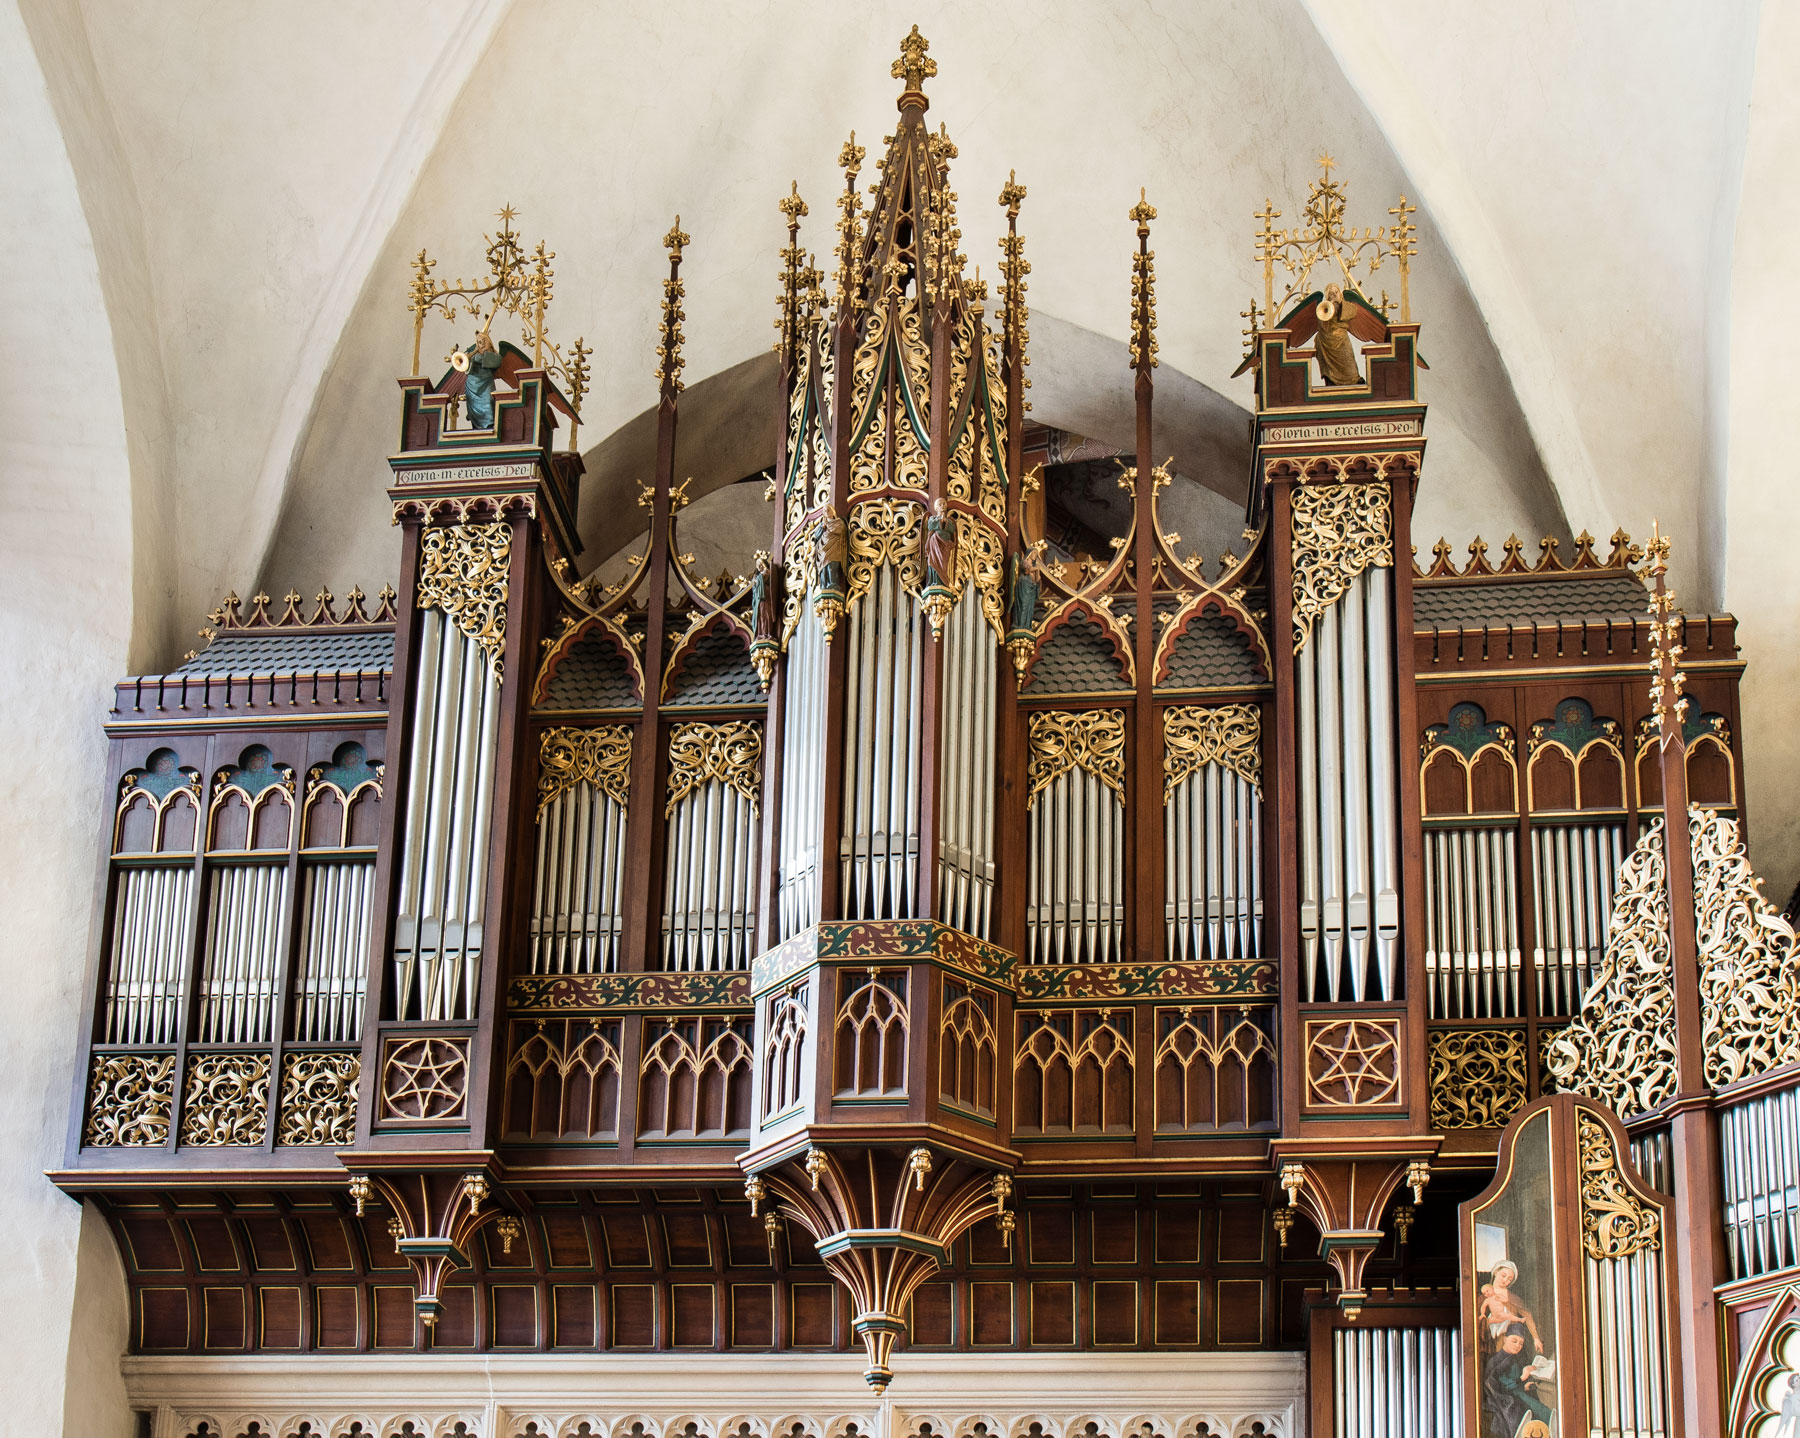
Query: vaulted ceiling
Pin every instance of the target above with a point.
(242, 186)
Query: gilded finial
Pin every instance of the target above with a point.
(793, 206)
(676, 240)
(669, 362)
(915, 67)
(1143, 212)
(1325, 238)
(1666, 678)
(1011, 193)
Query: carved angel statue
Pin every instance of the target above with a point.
(762, 598)
(1027, 584)
(1337, 356)
(480, 361)
(940, 546)
(832, 541)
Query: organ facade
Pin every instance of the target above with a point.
(1316, 989)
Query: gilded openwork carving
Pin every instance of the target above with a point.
(131, 1098)
(318, 1098)
(1352, 1063)
(463, 571)
(1229, 735)
(1614, 1224)
(601, 757)
(730, 753)
(886, 531)
(1750, 963)
(1339, 531)
(225, 1099)
(424, 1078)
(1090, 739)
(1621, 1047)
(1476, 1076)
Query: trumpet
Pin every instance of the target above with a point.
(459, 359)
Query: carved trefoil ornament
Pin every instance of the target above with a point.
(1340, 530)
(1229, 735)
(1090, 739)
(600, 756)
(463, 571)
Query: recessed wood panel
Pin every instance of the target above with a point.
(566, 1240)
(988, 1246)
(752, 1315)
(746, 1240)
(1115, 1308)
(1052, 1235)
(1178, 1235)
(378, 1243)
(270, 1249)
(334, 1316)
(572, 1316)
(278, 1317)
(812, 1315)
(1241, 1230)
(1114, 1235)
(633, 1315)
(991, 1314)
(1177, 1311)
(1052, 1314)
(627, 1240)
(393, 1316)
(328, 1244)
(689, 1240)
(215, 1250)
(455, 1328)
(932, 1307)
(162, 1318)
(515, 1315)
(150, 1245)
(1240, 1306)
(691, 1313)
(222, 1317)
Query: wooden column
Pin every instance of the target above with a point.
(1145, 789)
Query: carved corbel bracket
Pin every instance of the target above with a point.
(1346, 1199)
(435, 1216)
(883, 1220)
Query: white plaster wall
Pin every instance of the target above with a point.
(1762, 580)
(66, 606)
(638, 112)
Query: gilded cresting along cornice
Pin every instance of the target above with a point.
(1339, 531)
(463, 571)
(1229, 735)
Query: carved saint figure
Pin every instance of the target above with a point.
(940, 545)
(478, 382)
(1026, 586)
(1511, 1399)
(1337, 356)
(1500, 1309)
(832, 540)
(762, 598)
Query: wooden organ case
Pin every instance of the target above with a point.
(940, 941)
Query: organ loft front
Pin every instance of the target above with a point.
(981, 966)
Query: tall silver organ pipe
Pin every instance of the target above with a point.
(1627, 1344)
(879, 850)
(709, 904)
(1760, 1142)
(581, 849)
(1575, 867)
(1349, 820)
(1397, 1382)
(802, 776)
(1472, 954)
(149, 951)
(1212, 831)
(243, 948)
(966, 803)
(1075, 900)
(449, 802)
(331, 973)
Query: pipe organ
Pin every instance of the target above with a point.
(986, 925)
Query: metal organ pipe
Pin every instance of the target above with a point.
(1349, 820)
(575, 916)
(1075, 907)
(1575, 869)
(709, 906)
(1212, 823)
(333, 956)
(1397, 1383)
(803, 775)
(880, 846)
(443, 883)
(966, 825)
(1472, 957)
(237, 983)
